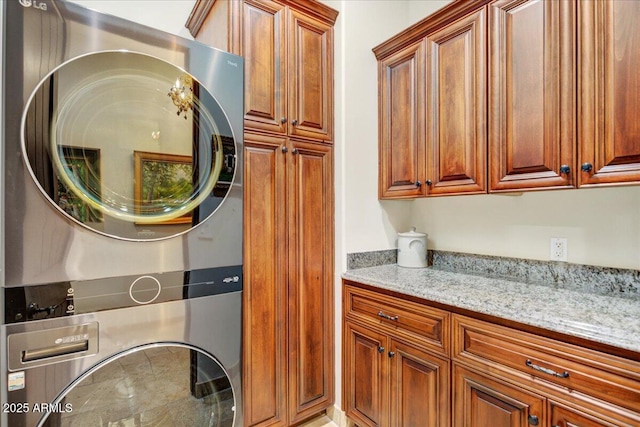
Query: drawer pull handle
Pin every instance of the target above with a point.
(386, 316)
(565, 374)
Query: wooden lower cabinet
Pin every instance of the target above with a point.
(288, 295)
(310, 278)
(365, 369)
(482, 401)
(473, 373)
(391, 383)
(419, 387)
(264, 367)
(568, 417)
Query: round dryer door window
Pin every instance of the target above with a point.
(166, 385)
(123, 143)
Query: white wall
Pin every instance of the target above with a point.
(169, 16)
(602, 225)
(368, 224)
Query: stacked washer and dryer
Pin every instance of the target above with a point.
(122, 223)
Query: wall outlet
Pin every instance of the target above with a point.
(558, 249)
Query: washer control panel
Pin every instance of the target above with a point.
(145, 289)
(52, 300)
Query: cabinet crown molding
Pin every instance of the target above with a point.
(451, 12)
(311, 7)
(198, 14)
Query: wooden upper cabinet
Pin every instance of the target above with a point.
(288, 51)
(609, 84)
(264, 50)
(456, 107)
(531, 94)
(401, 80)
(311, 77)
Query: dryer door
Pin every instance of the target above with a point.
(122, 142)
(157, 385)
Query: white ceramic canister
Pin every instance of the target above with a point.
(412, 249)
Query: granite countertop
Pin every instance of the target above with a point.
(611, 320)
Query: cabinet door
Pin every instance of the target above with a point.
(365, 365)
(311, 77)
(401, 121)
(609, 84)
(264, 50)
(310, 234)
(265, 304)
(564, 417)
(456, 107)
(479, 401)
(561, 415)
(531, 94)
(419, 388)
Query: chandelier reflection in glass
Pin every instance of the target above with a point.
(181, 94)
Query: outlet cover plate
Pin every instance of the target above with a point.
(558, 249)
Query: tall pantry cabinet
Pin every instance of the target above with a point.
(288, 185)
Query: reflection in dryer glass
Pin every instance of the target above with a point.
(155, 386)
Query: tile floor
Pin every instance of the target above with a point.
(323, 421)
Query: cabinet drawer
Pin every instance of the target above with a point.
(422, 325)
(610, 378)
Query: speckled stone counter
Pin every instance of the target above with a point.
(611, 320)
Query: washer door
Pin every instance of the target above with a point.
(123, 144)
(156, 385)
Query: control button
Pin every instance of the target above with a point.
(146, 289)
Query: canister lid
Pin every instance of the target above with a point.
(412, 233)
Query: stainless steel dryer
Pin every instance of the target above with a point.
(122, 223)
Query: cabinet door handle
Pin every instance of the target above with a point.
(386, 316)
(565, 374)
(295, 151)
(565, 169)
(284, 149)
(533, 420)
(283, 120)
(418, 184)
(392, 353)
(586, 167)
(429, 182)
(295, 122)
(380, 349)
